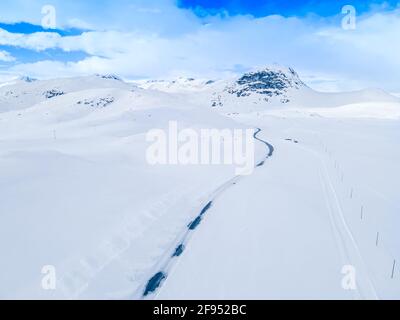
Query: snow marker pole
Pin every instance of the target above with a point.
(394, 265)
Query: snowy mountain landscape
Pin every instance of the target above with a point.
(78, 193)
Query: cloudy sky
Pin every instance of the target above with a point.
(204, 38)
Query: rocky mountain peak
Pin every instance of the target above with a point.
(269, 82)
(264, 84)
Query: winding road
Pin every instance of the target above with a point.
(166, 264)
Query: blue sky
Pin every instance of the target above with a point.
(203, 38)
(29, 28)
(22, 55)
(261, 8)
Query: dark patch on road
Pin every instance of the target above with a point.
(206, 208)
(195, 223)
(154, 283)
(261, 164)
(179, 250)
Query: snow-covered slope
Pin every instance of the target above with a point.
(77, 193)
(180, 85)
(26, 92)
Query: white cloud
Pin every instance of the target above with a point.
(38, 41)
(177, 42)
(6, 56)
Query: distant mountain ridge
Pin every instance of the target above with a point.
(269, 87)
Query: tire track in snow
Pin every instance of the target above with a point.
(340, 244)
(365, 289)
(166, 264)
(345, 240)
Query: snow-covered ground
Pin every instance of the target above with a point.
(78, 194)
(288, 230)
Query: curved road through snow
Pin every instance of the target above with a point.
(164, 266)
